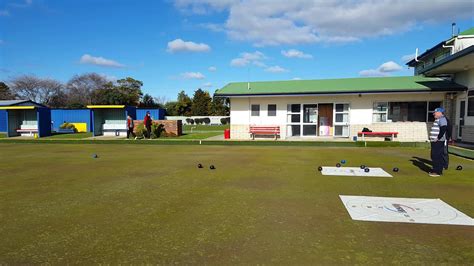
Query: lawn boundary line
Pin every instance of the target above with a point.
(372, 144)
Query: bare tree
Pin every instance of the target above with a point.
(36, 89)
(161, 100)
(79, 88)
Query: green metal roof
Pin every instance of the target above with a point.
(468, 32)
(340, 86)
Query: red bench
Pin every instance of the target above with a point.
(264, 130)
(392, 135)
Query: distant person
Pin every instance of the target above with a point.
(147, 122)
(438, 141)
(130, 127)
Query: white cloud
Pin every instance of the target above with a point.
(277, 22)
(192, 75)
(99, 61)
(383, 70)
(389, 66)
(212, 69)
(207, 85)
(296, 78)
(276, 69)
(408, 57)
(246, 58)
(293, 53)
(372, 73)
(179, 45)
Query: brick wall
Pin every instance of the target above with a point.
(172, 127)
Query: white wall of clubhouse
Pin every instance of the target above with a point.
(361, 107)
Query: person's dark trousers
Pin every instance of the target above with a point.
(446, 156)
(148, 131)
(130, 132)
(437, 151)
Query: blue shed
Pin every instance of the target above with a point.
(26, 118)
(81, 118)
(156, 114)
(3, 121)
(110, 120)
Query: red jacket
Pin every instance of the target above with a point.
(147, 121)
(130, 122)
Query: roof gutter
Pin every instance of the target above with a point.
(337, 94)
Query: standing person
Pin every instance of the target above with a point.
(147, 122)
(438, 139)
(130, 126)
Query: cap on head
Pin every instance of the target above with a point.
(440, 109)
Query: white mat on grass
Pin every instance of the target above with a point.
(404, 210)
(354, 171)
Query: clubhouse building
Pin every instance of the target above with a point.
(397, 107)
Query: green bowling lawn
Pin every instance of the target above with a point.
(139, 204)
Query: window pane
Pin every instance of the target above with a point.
(293, 108)
(309, 130)
(342, 107)
(310, 113)
(417, 112)
(255, 109)
(433, 105)
(342, 118)
(470, 106)
(380, 107)
(272, 109)
(295, 118)
(293, 130)
(379, 118)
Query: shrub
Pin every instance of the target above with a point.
(225, 120)
(157, 130)
(190, 121)
(140, 131)
(198, 121)
(206, 120)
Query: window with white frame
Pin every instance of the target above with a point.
(255, 109)
(380, 112)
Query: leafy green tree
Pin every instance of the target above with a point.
(131, 90)
(201, 103)
(126, 91)
(5, 92)
(171, 108)
(149, 101)
(219, 106)
(184, 104)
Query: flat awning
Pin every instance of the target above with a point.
(106, 106)
(17, 107)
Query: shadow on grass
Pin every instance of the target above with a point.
(422, 163)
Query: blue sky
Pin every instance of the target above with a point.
(186, 44)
